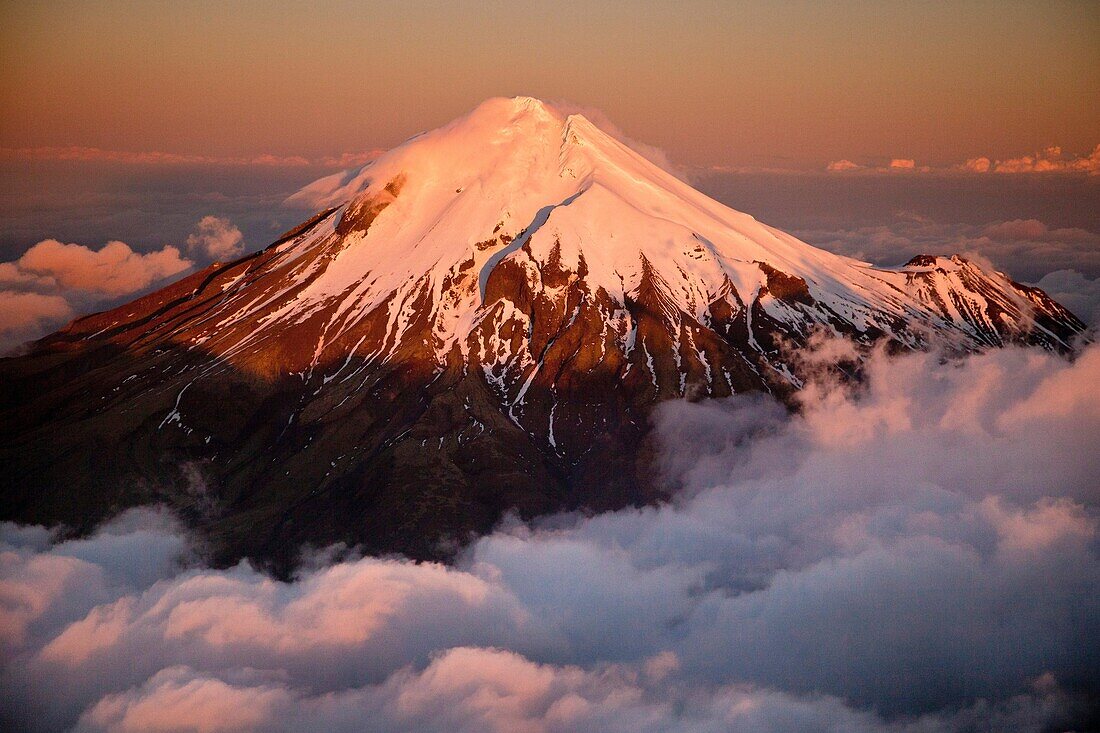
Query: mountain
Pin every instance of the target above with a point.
(478, 321)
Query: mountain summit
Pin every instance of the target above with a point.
(478, 321)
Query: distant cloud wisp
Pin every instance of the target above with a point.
(1049, 160)
(100, 155)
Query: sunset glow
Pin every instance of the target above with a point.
(530, 366)
(794, 84)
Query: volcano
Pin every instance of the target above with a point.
(479, 321)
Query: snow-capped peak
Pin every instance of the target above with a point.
(517, 213)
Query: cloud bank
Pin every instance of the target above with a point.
(53, 282)
(920, 554)
(161, 158)
(1026, 248)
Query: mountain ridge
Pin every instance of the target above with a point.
(516, 289)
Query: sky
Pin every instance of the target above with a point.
(792, 84)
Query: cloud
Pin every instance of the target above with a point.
(1028, 249)
(215, 239)
(1076, 292)
(1048, 160)
(893, 165)
(599, 118)
(350, 160)
(154, 157)
(978, 165)
(26, 315)
(52, 282)
(112, 270)
(916, 553)
(843, 165)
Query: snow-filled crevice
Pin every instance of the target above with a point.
(516, 244)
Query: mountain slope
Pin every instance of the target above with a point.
(478, 321)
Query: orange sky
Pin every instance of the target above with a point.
(714, 83)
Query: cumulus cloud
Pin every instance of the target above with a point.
(26, 315)
(52, 282)
(215, 239)
(112, 270)
(1049, 160)
(916, 553)
(893, 165)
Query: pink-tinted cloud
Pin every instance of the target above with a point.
(26, 315)
(978, 165)
(154, 157)
(1049, 160)
(843, 165)
(216, 239)
(53, 281)
(350, 160)
(176, 700)
(112, 270)
(894, 165)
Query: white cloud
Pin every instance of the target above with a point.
(919, 553)
(215, 239)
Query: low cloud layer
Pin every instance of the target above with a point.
(53, 282)
(920, 554)
(1027, 249)
(160, 158)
